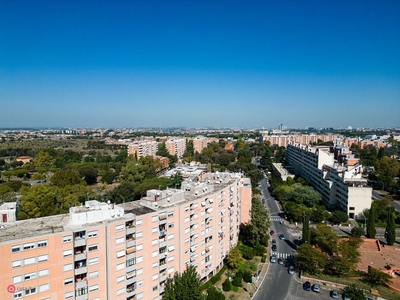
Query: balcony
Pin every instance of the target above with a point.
(162, 266)
(79, 241)
(130, 290)
(130, 243)
(163, 233)
(80, 256)
(81, 283)
(131, 280)
(81, 270)
(163, 243)
(131, 229)
(162, 255)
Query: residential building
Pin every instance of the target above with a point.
(141, 149)
(176, 146)
(107, 251)
(8, 212)
(341, 186)
(199, 143)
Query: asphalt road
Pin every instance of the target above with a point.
(277, 281)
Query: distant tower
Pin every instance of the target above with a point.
(280, 126)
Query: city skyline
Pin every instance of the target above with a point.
(199, 64)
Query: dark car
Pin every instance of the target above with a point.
(281, 236)
(273, 248)
(307, 286)
(272, 232)
(273, 242)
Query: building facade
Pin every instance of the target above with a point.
(143, 148)
(107, 251)
(176, 147)
(341, 186)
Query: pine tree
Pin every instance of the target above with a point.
(371, 231)
(306, 229)
(390, 228)
(185, 286)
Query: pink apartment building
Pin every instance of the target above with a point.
(107, 251)
(176, 146)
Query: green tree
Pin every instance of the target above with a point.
(266, 159)
(390, 233)
(43, 159)
(339, 216)
(354, 292)
(377, 277)
(259, 219)
(89, 174)
(371, 230)
(306, 229)
(310, 259)
(185, 286)
(234, 258)
(227, 285)
(108, 176)
(357, 231)
(214, 294)
(303, 195)
(67, 176)
(137, 171)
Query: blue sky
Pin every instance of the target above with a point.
(248, 64)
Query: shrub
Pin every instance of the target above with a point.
(227, 286)
(259, 250)
(237, 280)
(264, 258)
(247, 277)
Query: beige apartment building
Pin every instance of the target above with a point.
(199, 143)
(107, 251)
(176, 146)
(341, 186)
(283, 140)
(141, 149)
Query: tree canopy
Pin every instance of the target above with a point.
(185, 286)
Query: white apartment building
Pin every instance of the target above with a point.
(141, 149)
(176, 147)
(341, 186)
(106, 251)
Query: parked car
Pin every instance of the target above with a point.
(316, 288)
(272, 232)
(346, 297)
(291, 270)
(273, 258)
(281, 236)
(335, 294)
(273, 248)
(307, 286)
(280, 261)
(273, 242)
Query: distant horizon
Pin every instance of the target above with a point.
(186, 63)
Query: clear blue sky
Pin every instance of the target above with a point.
(200, 63)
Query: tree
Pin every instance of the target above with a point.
(377, 277)
(214, 294)
(310, 260)
(89, 174)
(306, 229)
(390, 233)
(354, 292)
(66, 176)
(108, 176)
(303, 195)
(234, 258)
(338, 217)
(185, 286)
(371, 230)
(358, 231)
(259, 220)
(137, 171)
(43, 159)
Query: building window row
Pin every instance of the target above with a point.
(29, 246)
(29, 261)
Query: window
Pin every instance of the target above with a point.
(131, 262)
(154, 242)
(120, 278)
(44, 287)
(68, 295)
(42, 244)
(170, 236)
(43, 258)
(154, 265)
(30, 291)
(187, 230)
(187, 219)
(154, 229)
(171, 270)
(139, 296)
(187, 240)
(93, 274)
(171, 258)
(155, 276)
(139, 222)
(139, 283)
(120, 227)
(29, 246)
(187, 208)
(139, 259)
(16, 248)
(29, 261)
(30, 276)
(92, 248)
(67, 252)
(139, 234)
(93, 288)
(154, 254)
(171, 225)
(351, 208)
(93, 261)
(17, 279)
(170, 214)
(139, 247)
(120, 253)
(67, 267)
(120, 240)
(92, 234)
(155, 288)
(120, 291)
(171, 248)
(154, 219)
(43, 273)
(17, 295)
(120, 266)
(67, 239)
(68, 281)
(16, 263)
(139, 272)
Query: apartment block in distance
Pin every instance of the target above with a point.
(141, 149)
(341, 186)
(176, 146)
(199, 143)
(107, 251)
